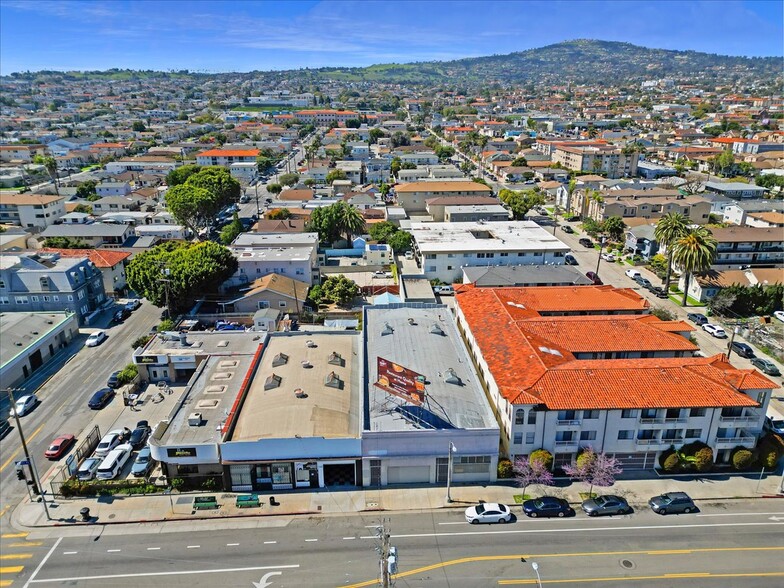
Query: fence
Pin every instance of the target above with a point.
(83, 450)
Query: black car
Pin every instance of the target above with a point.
(121, 314)
(573, 218)
(100, 398)
(139, 435)
(570, 259)
(742, 349)
(644, 282)
(114, 380)
(585, 242)
(697, 318)
(567, 229)
(659, 292)
(547, 506)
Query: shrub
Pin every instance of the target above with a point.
(742, 459)
(691, 449)
(177, 483)
(769, 450)
(166, 325)
(128, 374)
(672, 463)
(703, 459)
(505, 469)
(585, 459)
(543, 456)
(140, 342)
(665, 454)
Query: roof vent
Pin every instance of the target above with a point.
(280, 359)
(451, 377)
(336, 359)
(437, 330)
(412, 322)
(223, 343)
(550, 351)
(300, 393)
(310, 343)
(387, 330)
(515, 304)
(194, 419)
(306, 364)
(273, 381)
(215, 389)
(333, 381)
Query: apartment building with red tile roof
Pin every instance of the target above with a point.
(568, 367)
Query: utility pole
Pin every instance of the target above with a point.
(452, 449)
(28, 457)
(384, 552)
(735, 331)
(599, 261)
(258, 213)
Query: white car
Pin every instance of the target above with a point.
(779, 314)
(608, 257)
(95, 339)
(633, 273)
(24, 405)
(86, 471)
(488, 512)
(109, 442)
(714, 330)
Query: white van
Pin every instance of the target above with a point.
(113, 463)
(444, 290)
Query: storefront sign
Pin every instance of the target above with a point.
(181, 452)
(151, 359)
(402, 382)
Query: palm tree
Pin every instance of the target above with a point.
(350, 220)
(694, 253)
(671, 227)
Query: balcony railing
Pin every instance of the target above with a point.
(727, 442)
(651, 421)
(740, 420)
(566, 443)
(567, 422)
(675, 420)
(648, 441)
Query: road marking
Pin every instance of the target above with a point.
(16, 556)
(310, 540)
(270, 542)
(232, 544)
(26, 544)
(156, 574)
(113, 550)
(4, 509)
(4, 583)
(70, 552)
(740, 514)
(347, 538)
(153, 549)
(11, 569)
(454, 523)
(193, 546)
(573, 530)
(15, 453)
(14, 535)
(663, 577)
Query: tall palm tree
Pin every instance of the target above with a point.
(350, 220)
(694, 253)
(671, 227)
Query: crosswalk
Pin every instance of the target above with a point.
(15, 553)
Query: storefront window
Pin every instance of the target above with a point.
(281, 473)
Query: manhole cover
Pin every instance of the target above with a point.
(628, 564)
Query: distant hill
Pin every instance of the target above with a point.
(579, 61)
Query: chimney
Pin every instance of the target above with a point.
(183, 339)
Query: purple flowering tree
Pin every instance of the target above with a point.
(529, 472)
(595, 469)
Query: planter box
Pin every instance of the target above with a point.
(248, 501)
(205, 502)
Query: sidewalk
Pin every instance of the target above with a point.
(179, 507)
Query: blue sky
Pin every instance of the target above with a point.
(247, 35)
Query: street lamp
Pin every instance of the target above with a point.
(535, 566)
(599, 261)
(452, 449)
(28, 457)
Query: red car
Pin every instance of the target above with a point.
(59, 446)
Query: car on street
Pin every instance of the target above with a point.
(567, 229)
(139, 434)
(86, 471)
(573, 218)
(659, 292)
(714, 330)
(779, 314)
(100, 398)
(488, 512)
(121, 314)
(95, 339)
(644, 282)
(672, 502)
(409, 255)
(774, 425)
(570, 259)
(59, 446)
(113, 381)
(742, 349)
(766, 366)
(23, 405)
(547, 506)
(608, 257)
(142, 464)
(594, 277)
(444, 290)
(697, 318)
(585, 242)
(109, 442)
(633, 273)
(133, 304)
(606, 505)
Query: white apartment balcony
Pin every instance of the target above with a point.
(651, 421)
(573, 444)
(730, 442)
(752, 419)
(568, 423)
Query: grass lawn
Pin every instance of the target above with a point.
(520, 498)
(587, 495)
(677, 298)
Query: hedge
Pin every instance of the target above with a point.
(505, 469)
(543, 456)
(742, 458)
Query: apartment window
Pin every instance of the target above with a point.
(282, 303)
(431, 268)
(518, 438)
(519, 416)
(530, 438)
(588, 436)
(2, 283)
(625, 434)
(472, 464)
(649, 413)
(531, 417)
(55, 299)
(21, 300)
(5, 300)
(80, 294)
(697, 412)
(693, 433)
(628, 413)
(430, 256)
(504, 255)
(70, 298)
(34, 298)
(590, 414)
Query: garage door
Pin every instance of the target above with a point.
(408, 475)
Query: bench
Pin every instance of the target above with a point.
(205, 502)
(248, 501)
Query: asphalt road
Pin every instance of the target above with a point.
(725, 546)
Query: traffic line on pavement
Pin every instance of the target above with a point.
(4, 509)
(348, 538)
(70, 552)
(311, 540)
(628, 578)
(13, 535)
(193, 546)
(15, 453)
(740, 514)
(5, 583)
(11, 569)
(232, 544)
(113, 550)
(270, 542)
(158, 574)
(26, 544)
(153, 549)
(16, 556)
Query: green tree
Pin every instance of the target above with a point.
(288, 179)
(694, 253)
(382, 231)
(400, 241)
(50, 163)
(279, 214)
(520, 202)
(353, 123)
(520, 162)
(723, 162)
(375, 135)
(444, 152)
(219, 183)
(86, 188)
(395, 165)
(83, 208)
(671, 227)
(181, 174)
(65, 243)
(192, 206)
(335, 174)
(335, 220)
(614, 227)
(186, 271)
(138, 127)
(274, 189)
(230, 231)
(339, 289)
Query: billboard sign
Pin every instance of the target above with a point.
(402, 382)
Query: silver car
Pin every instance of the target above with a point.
(606, 505)
(488, 512)
(86, 471)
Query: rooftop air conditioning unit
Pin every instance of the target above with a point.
(194, 419)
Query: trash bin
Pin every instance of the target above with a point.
(85, 513)
(272, 501)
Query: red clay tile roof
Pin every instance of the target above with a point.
(100, 257)
(229, 153)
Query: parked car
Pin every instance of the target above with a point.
(697, 318)
(567, 229)
(585, 242)
(608, 257)
(742, 349)
(672, 502)
(59, 446)
(594, 277)
(95, 339)
(779, 314)
(121, 314)
(86, 471)
(633, 273)
(112, 464)
(606, 505)
(132, 305)
(659, 292)
(23, 405)
(570, 259)
(139, 434)
(573, 218)
(444, 290)
(488, 512)
(109, 442)
(774, 425)
(409, 255)
(547, 506)
(113, 381)
(714, 330)
(765, 366)
(142, 464)
(644, 282)
(100, 398)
